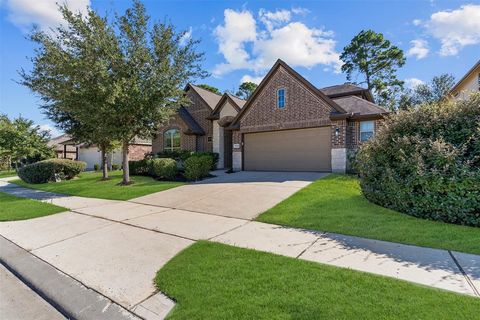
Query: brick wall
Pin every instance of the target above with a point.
(187, 142)
(303, 108)
(138, 151)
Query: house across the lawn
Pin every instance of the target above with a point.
(287, 124)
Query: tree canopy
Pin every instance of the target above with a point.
(23, 142)
(210, 88)
(372, 60)
(246, 89)
(105, 81)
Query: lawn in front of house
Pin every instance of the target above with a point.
(7, 173)
(336, 204)
(89, 184)
(16, 208)
(215, 281)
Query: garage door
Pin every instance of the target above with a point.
(288, 150)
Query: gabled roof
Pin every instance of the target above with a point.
(58, 140)
(210, 98)
(193, 126)
(236, 102)
(469, 72)
(358, 107)
(346, 89)
(296, 75)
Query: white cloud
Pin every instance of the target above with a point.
(186, 36)
(417, 22)
(249, 78)
(455, 28)
(43, 13)
(238, 28)
(411, 83)
(54, 132)
(300, 11)
(419, 49)
(282, 38)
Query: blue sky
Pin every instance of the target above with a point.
(242, 39)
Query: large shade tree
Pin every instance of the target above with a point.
(128, 75)
(246, 89)
(372, 60)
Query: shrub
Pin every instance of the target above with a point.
(426, 162)
(115, 166)
(197, 167)
(51, 170)
(213, 155)
(139, 167)
(165, 168)
(96, 167)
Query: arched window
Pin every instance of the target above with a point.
(171, 140)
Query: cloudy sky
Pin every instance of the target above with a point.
(242, 39)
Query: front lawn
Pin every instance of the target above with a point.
(7, 173)
(16, 208)
(89, 184)
(216, 281)
(336, 204)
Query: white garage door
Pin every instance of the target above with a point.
(91, 156)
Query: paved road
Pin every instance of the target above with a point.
(19, 302)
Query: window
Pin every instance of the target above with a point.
(281, 98)
(171, 140)
(366, 130)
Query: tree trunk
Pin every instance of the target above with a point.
(104, 163)
(126, 170)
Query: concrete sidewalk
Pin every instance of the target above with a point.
(116, 247)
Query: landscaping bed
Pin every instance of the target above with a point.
(336, 204)
(17, 208)
(216, 281)
(90, 184)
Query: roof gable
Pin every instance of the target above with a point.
(236, 102)
(298, 77)
(211, 99)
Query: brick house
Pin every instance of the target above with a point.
(286, 125)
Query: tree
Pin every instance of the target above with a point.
(73, 74)
(105, 81)
(246, 89)
(23, 142)
(210, 88)
(427, 93)
(375, 60)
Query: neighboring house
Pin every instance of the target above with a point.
(286, 125)
(469, 83)
(92, 155)
(63, 151)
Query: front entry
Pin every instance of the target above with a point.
(227, 149)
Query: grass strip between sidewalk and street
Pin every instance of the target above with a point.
(14, 208)
(90, 184)
(216, 281)
(336, 204)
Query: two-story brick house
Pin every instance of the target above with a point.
(286, 125)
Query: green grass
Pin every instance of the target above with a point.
(90, 185)
(16, 208)
(215, 281)
(336, 204)
(7, 173)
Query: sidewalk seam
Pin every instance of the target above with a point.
(465, 275)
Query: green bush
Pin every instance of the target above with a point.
(426, 162)
(116, 166)
(139, 167)
(96, 167)
(165, 168)
(51, 170)
(197, 167)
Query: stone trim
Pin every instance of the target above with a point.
(339, 160)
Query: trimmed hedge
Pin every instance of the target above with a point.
(426, 162)
(51, 170)
(139, 167)
(197, 167)
(165, 168)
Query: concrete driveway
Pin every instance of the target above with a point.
(242, 195)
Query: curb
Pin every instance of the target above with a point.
(69, 296)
